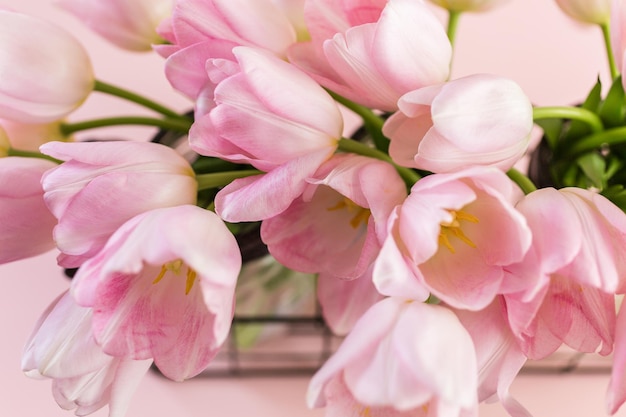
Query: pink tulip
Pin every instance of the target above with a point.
(573, 267)
(375, 63)
(476, 120)
(587, 11)
(290, 129)
(454, 236)
(260, 23)
(30, 136)
(129, 24)
(62, 348)
(468, 5)
(163, 288)
(499, 357)
(344, 301)
(385, 363)
(616, 394)
(103, 184)
(46, 73)
(336, 226)
(26, 228)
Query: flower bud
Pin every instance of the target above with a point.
(46, 73)
(587, 11)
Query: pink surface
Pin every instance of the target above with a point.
(556, 62)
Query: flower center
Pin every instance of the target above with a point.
(176, 267)
(360, 214)
(453, 229)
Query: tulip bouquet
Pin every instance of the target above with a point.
(443, 264)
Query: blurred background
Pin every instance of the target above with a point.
(555, 60)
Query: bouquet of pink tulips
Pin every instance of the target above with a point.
(442, 263)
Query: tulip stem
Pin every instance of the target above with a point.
(31, 154)
(178, 124)
(574, 113)
(409, 176)
(522, 180)
(606, 34)
(136, 98)
(219, 179)
(453, 24)
(608, 137)
(372, 122)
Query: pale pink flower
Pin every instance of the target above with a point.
(286, 129)
(26, 228)
(499, 357)
(30, 136)
(163, 288)
(587, 11)
(573, 267)
(129, 24)
(46, 72)
(344, 301)
(454, 236)
(469, 5)
(616, 393)
(476, 120)
(62, 348)
(103, 184)
(407, 356)
(259, 23)
(375, 63)
(336, 225)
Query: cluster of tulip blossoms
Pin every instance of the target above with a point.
(444, 266)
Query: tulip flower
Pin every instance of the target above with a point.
(290, 129)
(454, 236)
(587, 11)
(344, 301)
(476, 120)
(468, 5)
(163, 287)
(572, 268)
(129, 24)
(62, 348)
(46, 73)
(336, 226)
(259, 23)
(26, 228)
(30, 136)
(375, 63)
(616, 393)
(103, 184)
(385, 362)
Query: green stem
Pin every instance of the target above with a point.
(372, 122)
(409, 176)
(31, 154)
(606, 34)
(522, 180)
(608, 137)
(453, 24)
(219, 179)
(136, 98)
(573, 113)
(178, 124)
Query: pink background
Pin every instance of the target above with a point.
(555, 60)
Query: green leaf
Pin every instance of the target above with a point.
(617, 195)
(612, 109)
(594, 168)
(552, 129)
(577, 128)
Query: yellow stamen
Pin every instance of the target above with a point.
(454, 227)
(191, 278)
(175, 267)
(366, 412)
(361, 214)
